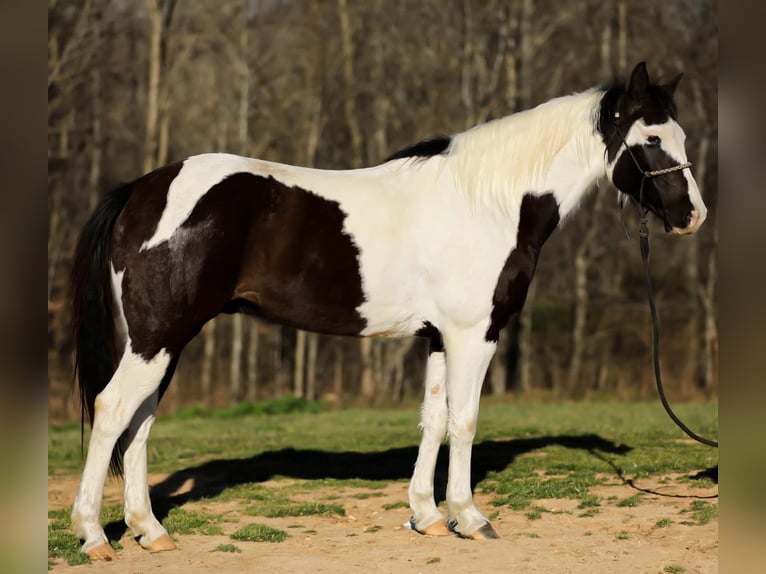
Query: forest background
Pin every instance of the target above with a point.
(338, 84)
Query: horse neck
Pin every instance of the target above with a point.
(553, 148)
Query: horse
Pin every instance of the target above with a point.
(440, 241)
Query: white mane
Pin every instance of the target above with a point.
(497, 162)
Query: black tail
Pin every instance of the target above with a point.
(96, 352)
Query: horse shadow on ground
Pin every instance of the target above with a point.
(211, 478)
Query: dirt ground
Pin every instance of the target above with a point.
(371, 539)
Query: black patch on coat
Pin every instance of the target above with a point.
(434, 336)
(538, 217)
(251, 244)
(427, 148)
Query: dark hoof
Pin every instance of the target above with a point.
(485, 532)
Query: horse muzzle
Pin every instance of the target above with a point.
(694, 221)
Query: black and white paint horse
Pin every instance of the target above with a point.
(439, 241)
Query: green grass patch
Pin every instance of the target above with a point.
(589, 501)
(63, 545)
(623, 535)
(398, 504)
(518, 493)
(674, 569)
(180, 521)
(591, 512)
(701, 511)
(277, 509)
(536, 513)
(630, 502)
(366, 495)
(259, 533)
(529, 534)
(663, 523)
(227, 548)
(287, 404)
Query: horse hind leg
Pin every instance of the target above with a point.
(135, 380)
(426, 517)
(138, 508)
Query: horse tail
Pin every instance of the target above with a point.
(93, 327)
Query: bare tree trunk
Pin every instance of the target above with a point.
(349, 106)
(526, 349)
(466, 84)
(208, 355)
(527, 54)
(511, 95)
(300, 362)
(338, 375)
(711, 327)
(367, 384)
(583, 259)
(606, 45)
(235, 367)
(252, 363)
(622, 36)
(160, 15)
(311, 366)
(94, 178)
(276, 334)
(499, 372)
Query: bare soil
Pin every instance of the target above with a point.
(371, 539)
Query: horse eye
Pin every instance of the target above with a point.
(653, 140)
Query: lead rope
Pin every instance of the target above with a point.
(643, 234)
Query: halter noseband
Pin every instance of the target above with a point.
(643, 231)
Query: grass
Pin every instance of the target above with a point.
(259, 533)
(623, 535)
(674, 569)
(630, 502)
(180, 521)
(547, 450)
(271, 509)
(701, 511)
(63, 545)
(663, 523)
(398, 504)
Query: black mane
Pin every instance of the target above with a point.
(426, 148)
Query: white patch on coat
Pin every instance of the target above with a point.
(197, 175)
(120, 324)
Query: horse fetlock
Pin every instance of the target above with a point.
(145, 526)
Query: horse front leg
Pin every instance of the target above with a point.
(468, 356)
(426, 517)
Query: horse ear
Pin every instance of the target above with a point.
(671, 86)
(639, 81)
